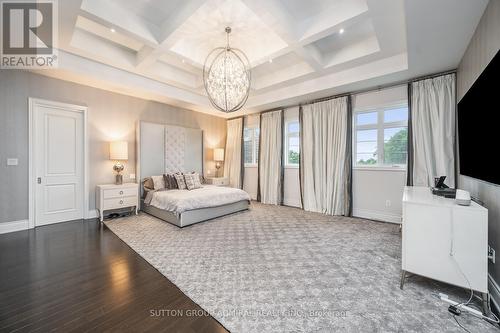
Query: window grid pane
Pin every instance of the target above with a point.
(292, 143)
(378, 144)
(396, 115)
(366, 118)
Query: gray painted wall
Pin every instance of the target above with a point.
(111, 117)
(483, 46)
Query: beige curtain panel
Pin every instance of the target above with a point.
(433, 130)
(271, 158)
(324, 165)
(233, 158)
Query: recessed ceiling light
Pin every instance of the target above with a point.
(341, 31)
(270, 61)
(112, 30)
(183, 61)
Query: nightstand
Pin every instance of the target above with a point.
(218, 181)
(112, 196)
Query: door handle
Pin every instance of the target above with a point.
(39, 180)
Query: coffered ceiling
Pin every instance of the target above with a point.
(298, 49)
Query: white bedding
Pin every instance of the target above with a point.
(179, 201)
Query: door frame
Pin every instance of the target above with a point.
(32, 102)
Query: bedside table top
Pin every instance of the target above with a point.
(216, 177)
(111, 186)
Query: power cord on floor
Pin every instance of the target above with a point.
(461, 326)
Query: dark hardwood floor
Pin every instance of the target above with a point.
(77, 276)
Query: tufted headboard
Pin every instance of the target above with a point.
(166, 149)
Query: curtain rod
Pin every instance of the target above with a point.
(357, 92)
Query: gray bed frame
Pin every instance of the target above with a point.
(196, 215)
(152, 159)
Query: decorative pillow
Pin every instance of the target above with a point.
(158, 182)
(202, 178)
(170, 181)
(181, 183)
(192, 181)
(148, 183)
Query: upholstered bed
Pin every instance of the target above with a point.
(185, 207)
(172, 150)
(196, 215)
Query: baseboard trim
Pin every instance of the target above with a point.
(6, 227)
(376, 215)
(494, 291)
(92, 214)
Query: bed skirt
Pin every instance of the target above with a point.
(196, 215)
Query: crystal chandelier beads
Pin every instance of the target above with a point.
(226, 76)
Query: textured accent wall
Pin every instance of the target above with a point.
(483, 46)
(111, 117)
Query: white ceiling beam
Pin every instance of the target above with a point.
(332, 27)
(88, 72)
(148, 56)
(340, 13)
(356, 50)
(328, 82)
(177, 18)
(277, 17)
(311, 55)
(100, 49)
(68, 20)
(117, 17)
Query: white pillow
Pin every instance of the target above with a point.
(159, 182)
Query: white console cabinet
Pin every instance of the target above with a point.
(443, 240)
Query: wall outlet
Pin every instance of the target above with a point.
(132, 176)
(12, 161)
(491, 254)
(388, 203)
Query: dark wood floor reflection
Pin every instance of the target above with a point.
(76, 276)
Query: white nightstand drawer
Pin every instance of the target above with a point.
(115, 203)
(113, 196)
(120, 192)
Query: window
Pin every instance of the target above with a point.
(292, 143)
(251, 145)
(380, 137)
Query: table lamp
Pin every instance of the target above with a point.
(218, 158)
(118, 151)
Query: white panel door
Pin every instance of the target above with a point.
(59, 164)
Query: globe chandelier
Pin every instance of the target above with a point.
(226, 76)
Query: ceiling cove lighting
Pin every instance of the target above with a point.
(226, 76)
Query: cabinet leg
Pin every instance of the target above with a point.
(486, 304)
(403, 277)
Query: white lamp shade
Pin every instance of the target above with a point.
(218, 154)
(118, 151)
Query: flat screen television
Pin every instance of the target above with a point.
(479, 126)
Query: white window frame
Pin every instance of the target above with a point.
(287, 143)
(380, 126)
(255, 147)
